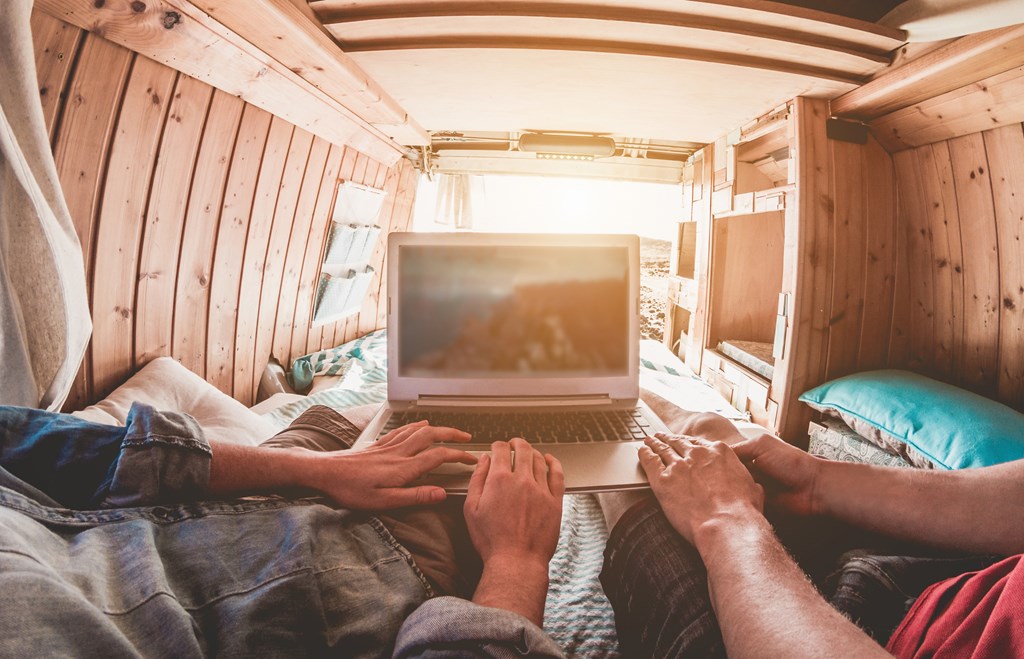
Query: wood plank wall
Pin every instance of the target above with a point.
(202, 218)
(841, 265)
(960, 312)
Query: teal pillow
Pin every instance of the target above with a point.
(930, 423)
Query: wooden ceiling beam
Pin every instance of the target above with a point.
(332, 13)
(959, 63)
(601, 46)
(765, 15)
(177, 34)
(285, 32)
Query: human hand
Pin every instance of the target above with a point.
(697, 481)
(376, 478)
(513, 512)
(788, 474)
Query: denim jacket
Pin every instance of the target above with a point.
(108, 549)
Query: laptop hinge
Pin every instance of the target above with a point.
(513, 401)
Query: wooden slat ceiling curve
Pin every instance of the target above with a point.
(467, 65)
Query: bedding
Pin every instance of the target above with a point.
(929, 423)
(352, 379)
(752, 354)
(834, 440)
(168, 386)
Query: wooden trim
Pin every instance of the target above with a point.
(198, 46)
(989, 103)
(955, 65)
(602, 46)
(809, 228)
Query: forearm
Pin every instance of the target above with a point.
(238, 470)
(765, 605)
(967, 510)
(514, 585)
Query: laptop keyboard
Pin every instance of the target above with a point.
(535, 427)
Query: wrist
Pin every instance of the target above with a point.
(741, 523)
(525, 565)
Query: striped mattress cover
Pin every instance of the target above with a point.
(577, 614)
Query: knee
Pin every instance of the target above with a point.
(711, 426)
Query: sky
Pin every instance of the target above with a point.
(538, 204)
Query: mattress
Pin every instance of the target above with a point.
(751, 354)
(834, 440)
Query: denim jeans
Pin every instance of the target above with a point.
(108, 549)
(657, 584)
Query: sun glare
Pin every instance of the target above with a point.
(537, 204)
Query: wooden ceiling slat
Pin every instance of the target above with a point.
(723, 15)
(615, 47)
(430, 17)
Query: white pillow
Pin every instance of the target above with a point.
(170, 387)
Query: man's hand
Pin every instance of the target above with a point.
(698, 482)
(513, 513)
(788, 474)
(375, 478)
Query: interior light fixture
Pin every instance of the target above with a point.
(564, 156)
(573, 147)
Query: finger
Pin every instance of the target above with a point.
(501, 457)
(400, 497)
(650, 462)
(477, 482)
(423, 437)
(540, 467)
(664, 451)
(556, 476)
(522, 461)
(400, 433)
(439, 455)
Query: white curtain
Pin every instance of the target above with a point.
(455, 200)
(44, 313)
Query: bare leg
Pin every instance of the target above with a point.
(614, 504)
(712, 427)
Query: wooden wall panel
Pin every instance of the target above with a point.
(165, 218)
(962, 217)
(229, 249)
(202, 218)
(199, 238)
(122, 214)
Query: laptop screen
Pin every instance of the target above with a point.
(507, 311)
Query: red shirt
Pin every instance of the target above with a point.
(978, 614)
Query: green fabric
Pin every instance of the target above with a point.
(954, 428)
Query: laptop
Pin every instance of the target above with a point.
(520, 335)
